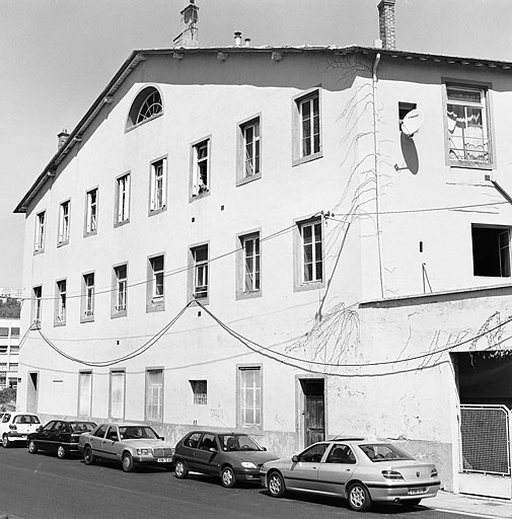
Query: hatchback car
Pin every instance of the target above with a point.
(233, 457)
(129, 443)
(359, 470)
(59, 436)
(15, 427)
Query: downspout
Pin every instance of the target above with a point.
(376, 167)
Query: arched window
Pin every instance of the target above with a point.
(147, 105)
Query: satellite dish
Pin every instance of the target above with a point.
(412, 122)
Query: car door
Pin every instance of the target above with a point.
(110, 445)
(52, 439)
(337, 469)
(189, 449)
(41, 438)
(303, 473)
(96, 440)
(205, 458)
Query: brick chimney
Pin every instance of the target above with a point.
(387, 23)
(62, 138)
(189, 29)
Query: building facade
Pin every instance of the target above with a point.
(263, 238)
(9, 352)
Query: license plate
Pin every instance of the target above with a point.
(164, 460)
(414, 491)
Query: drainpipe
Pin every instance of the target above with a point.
(377, 180)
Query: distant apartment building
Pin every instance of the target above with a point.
(9, 352)
(297, 242)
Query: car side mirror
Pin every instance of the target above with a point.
(39, 428)
(295, 458)
(213, 449)
(162, 438)
(263, 448)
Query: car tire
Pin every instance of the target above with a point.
(227, 477)
(88, 455)
(180, 469)
(359, 497)
(61, 452)
(32, 447)
(275, 484)
(127, 462)
(5, 441)
(410, 503)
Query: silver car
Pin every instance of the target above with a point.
(362, 471)
(131, 444)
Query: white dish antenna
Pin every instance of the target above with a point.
(412, 122)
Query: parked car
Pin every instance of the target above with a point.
(129, 443)
(233, 457)
(359, 470)
(59, 436)
(15, 427)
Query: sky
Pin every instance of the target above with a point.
(56, 56)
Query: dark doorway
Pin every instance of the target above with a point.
(314, 410)
(32, 392)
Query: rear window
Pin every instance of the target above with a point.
(80, 427)
(26, 418)
(384, 452)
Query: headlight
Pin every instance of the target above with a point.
(248, 465)
(392, 474)
(143, 452)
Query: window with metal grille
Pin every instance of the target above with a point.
(200, 391)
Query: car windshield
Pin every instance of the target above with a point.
(81, 427)
(137, 432)
(384, 452)
(26, 418)
(238, 442)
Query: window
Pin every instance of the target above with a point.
(249, 397)
(122, 200)
(201, 168)
(467, 125)
(158, 186)
(403, 110)
(155, 292)
(249, 150)
(120, 292)
(200, 271)
(491, 251)
(91, 212)
(308, 258)
(117, 394)
(37, 304)
(60, 303)
(4, 332)
(15, 333)
(249, 266)
(64, 223)
(314, 454)
(85, 393)
(88, 297)
(154, 395)
(147, 106)
(200, 391)
(40, 232)
(307, 139)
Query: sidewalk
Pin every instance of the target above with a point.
(470, 505)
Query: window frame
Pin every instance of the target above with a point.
(116, 308)
(241, 160)
(88, 297)
(155, 302)
(485, 90)
(299, 282)
(240, 407)
(499, 230)
(118, 212)
(154, 190)
(40, 232)
(241, 273)
(60, 311)
(112, 373)
(148, 417)
(196, 191)
(299, 157)
(195, 267)
(64, 223)
(37, 306)
(91, 212)
(198, 397)
(89, 398)
(135, 108)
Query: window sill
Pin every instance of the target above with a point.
(91, 233)
(153, 212)
(304, 287)
(199, 196)
(62, 243)
(240, 295)
(38, 251)
(121, 223)
(115, 315)
(242, 181)
(155, 307)
(86, 318)
(488, 166)
(59, 323)
(142, 123)
(308, 158)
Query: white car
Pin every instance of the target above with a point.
(14, 427)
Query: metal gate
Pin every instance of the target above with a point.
(485, 450)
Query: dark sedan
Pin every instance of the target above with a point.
(233, 457)
(58, 436)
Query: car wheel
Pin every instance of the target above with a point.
(410, 503)
(61, 452)
(359, 498)
(180, 470)
(127, 462)
(276, 485)
(32, 447)
(5, 441)
(88, 455)
(227, 477)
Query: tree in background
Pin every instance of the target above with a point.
(10, 308)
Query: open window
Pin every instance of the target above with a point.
(491, 251)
